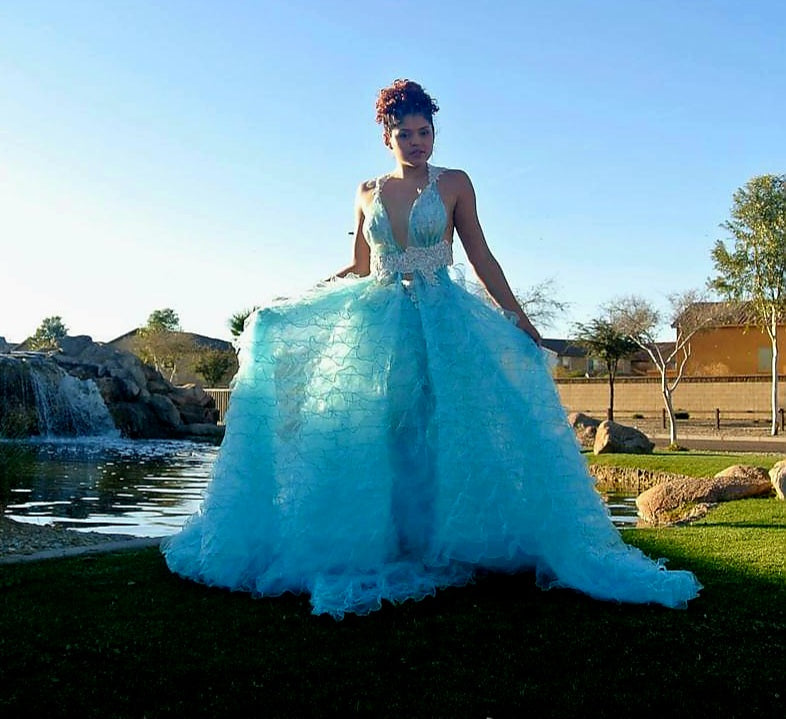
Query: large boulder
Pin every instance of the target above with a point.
(778, 478)
(613, 438)
(690, 497)
(585, 427)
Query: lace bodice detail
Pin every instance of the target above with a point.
(426, 252)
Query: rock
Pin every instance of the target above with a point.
(111, 389)
(614, 438)
(191, 394)
(74, 346)
(4, 346)
(159, 385)
(77, 368)
(194, 414)
(746, 473)
(132, 419)
(166, 410)
(585, 427)
(777, 476)
(677, 499)
(131, 390)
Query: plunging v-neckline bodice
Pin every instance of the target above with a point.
(426, 250)
(426, 215)
(380, 183)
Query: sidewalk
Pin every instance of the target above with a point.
(723, 442)
(59, 553)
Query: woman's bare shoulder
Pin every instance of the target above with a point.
(365, 191)
(455, 183)
(454, 177)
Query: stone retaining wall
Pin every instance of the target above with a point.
(628, 479)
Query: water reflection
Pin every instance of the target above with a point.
(141, 488)
(622, 508)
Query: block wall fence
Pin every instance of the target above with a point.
(732, 395)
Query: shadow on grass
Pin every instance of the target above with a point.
(118, 635)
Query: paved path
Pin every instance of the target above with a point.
(739, 443)
(112, 546)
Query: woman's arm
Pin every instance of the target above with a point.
(465, 219)
(361, 264)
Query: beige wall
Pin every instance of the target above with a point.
(697, 394)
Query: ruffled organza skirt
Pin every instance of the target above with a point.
(385, 440)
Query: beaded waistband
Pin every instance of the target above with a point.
(424, 260)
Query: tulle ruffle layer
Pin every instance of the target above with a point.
(385, 440)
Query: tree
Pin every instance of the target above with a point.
(754, 271)
(639, 319)
(49, 333)
(602, 339)
(214, 364)
(165, 320)
(540, 303)
(161, 343)
(238, 320)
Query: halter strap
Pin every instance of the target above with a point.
(433, 175)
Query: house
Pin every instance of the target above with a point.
(569, 360)
(732, 344)
(572, 360)
(641, 364)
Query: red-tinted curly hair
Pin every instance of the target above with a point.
(403, 97)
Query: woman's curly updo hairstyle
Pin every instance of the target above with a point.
(403, 97)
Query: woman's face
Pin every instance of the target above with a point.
(412, 140)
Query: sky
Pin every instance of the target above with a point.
(204, 156)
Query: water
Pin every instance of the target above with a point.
(622, 508)
(136, 487)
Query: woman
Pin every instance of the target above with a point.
(391, 433)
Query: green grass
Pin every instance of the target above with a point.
(695, 463)
(119, 636)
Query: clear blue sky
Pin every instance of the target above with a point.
(204, 155)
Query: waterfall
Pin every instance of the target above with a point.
(37, 397)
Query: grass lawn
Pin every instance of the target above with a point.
(695, 463)
(119, 636)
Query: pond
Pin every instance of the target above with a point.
(136, 487)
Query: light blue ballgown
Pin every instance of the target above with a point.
(393, 434)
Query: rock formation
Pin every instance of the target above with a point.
(140, 401)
